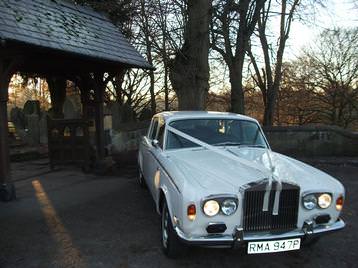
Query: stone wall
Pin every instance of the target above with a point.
(125, 141)
(300, 141)
(310, 141)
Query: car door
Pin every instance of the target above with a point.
(154, 156)
(144, 153)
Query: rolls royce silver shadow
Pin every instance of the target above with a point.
(216, 183)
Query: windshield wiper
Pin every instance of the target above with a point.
(254, 145)
(227, 143)
(232, 143)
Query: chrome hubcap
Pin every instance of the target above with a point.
(165, 229)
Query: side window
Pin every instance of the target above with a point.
(251, 133)
(153, 132)
(161, 135)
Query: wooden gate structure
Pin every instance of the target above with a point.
(60, 41)
(68, 142)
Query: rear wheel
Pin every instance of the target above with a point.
(141, 179)
(171, 245)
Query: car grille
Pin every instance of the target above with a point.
(257, 220)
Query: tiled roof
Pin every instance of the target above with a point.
(59, 25)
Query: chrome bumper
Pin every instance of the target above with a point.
(239, 236)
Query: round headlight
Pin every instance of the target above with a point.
(309, 201)
(211, 208)
(324, 200)
(228, 207)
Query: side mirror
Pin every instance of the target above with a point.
(155, 143)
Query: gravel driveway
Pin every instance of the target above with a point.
(70, 219)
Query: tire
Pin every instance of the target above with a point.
(171, 245)
(141, 179)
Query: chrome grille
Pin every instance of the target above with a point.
(257, 220)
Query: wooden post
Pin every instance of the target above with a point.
(57, 87)
(7, 190)
(85, 88)
(99, 85)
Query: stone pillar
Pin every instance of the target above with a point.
(7, 190)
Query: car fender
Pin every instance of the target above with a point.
(163, 195)
(168, 196)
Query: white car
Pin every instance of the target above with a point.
(216, 182)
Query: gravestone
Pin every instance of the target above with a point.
(70, 111)
(17, 117)
(43, 128)
(32, 107)
(33, 128)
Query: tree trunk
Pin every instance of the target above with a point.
(166, 88)
(269, 108)
(153, 106)
(237, 91)
(189, 71)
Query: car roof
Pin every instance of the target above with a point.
(177, 115)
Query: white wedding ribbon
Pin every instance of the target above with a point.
(265, 171)
(276, 203)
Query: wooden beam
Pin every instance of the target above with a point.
(49, 62)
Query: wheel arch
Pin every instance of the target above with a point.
(164, 196)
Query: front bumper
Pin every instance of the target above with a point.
(240, 237)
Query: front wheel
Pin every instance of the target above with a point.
(171, 245)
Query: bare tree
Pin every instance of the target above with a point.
(189, 71)
(164, 35)
(296, 101)
(147, 36)
(333, 72)
(231, 28)
(268, 78)
(132, 91)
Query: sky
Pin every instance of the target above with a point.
(338, 13)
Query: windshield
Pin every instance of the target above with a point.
(217, 132)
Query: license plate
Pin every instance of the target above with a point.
(258, 247)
